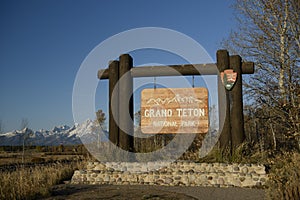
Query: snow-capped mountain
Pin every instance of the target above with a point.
(86, 132)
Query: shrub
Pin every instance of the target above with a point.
(38, 160)
(244, 153)
(284, 177)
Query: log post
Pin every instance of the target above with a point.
(237, 117)
(126, 103)
(114, 102)
(223, 96)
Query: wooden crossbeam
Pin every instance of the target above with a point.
(176, 70)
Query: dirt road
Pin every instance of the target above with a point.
(124, 192)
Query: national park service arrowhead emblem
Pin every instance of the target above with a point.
(228, 78)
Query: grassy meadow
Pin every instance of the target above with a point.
(32, 173)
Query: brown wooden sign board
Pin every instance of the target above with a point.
(174, 110)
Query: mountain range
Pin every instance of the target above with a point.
(176, 99)
(88, 131)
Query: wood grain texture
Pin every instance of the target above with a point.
(237, 118)
(176, 70)
(174, 110)
(224, 102)
(125, 103)
(114, 103)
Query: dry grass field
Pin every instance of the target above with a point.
(30, 175)
(29, 183)
(16, 158)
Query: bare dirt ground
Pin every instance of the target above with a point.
(147, 192)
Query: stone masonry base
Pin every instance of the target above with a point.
(172, 174)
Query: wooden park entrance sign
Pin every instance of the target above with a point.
(121, 73)
(174, 110)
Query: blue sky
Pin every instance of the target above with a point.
(44, 42)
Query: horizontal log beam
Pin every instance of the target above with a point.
(247, 67)
(176, 70)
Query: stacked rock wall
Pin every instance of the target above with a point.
(178, 173)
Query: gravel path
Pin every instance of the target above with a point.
(137, 192)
